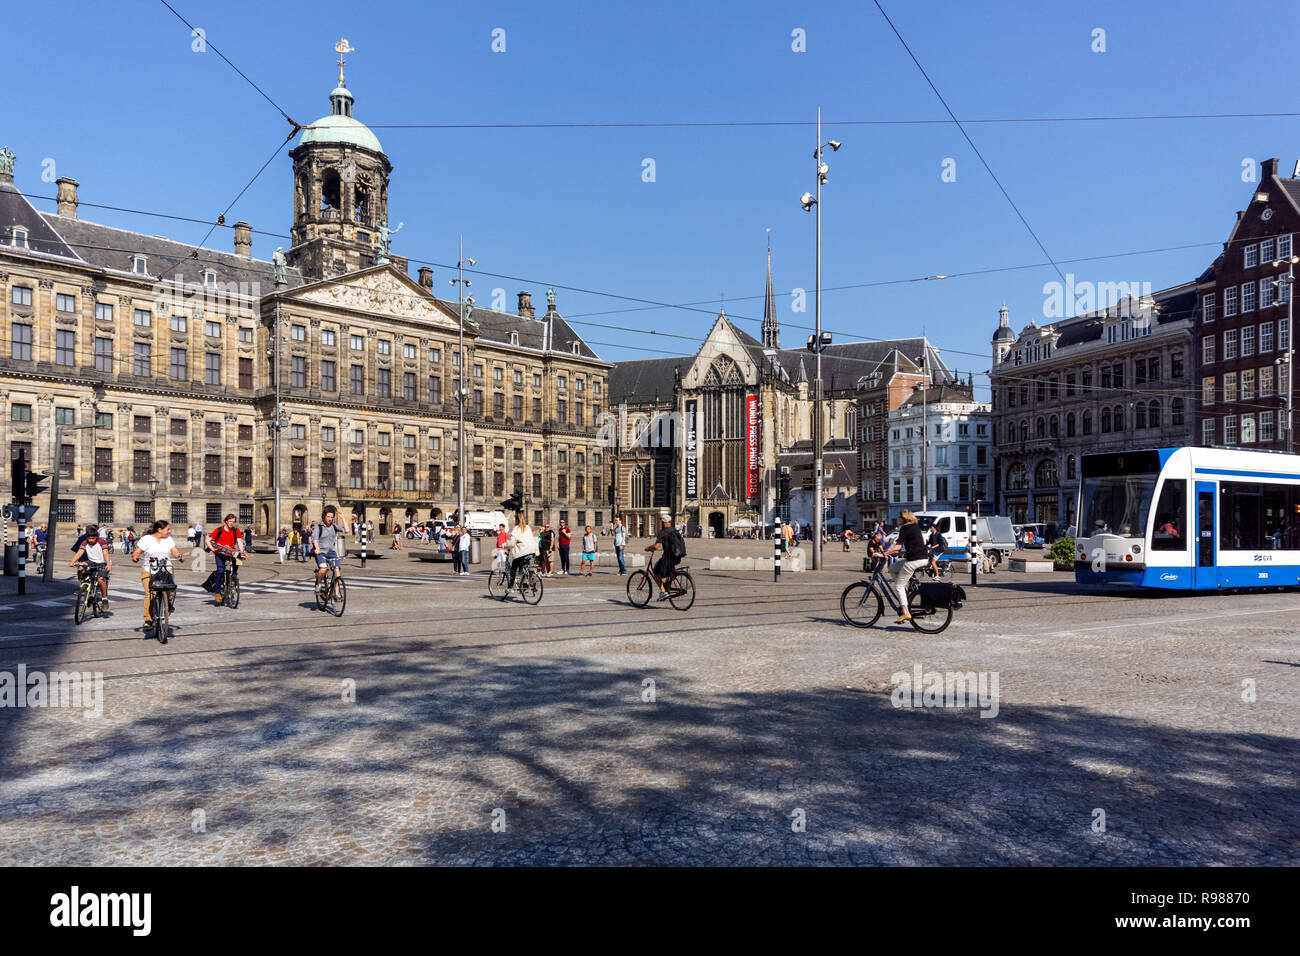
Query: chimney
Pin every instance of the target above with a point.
(1269, 169)
(243, 239)
(67, 196)
(526, 305)
(426, 277)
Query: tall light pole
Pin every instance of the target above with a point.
(461, 283)
(1290, 337)
(277, 422)
(809, 200)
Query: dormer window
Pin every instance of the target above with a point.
(209, 278)
(139, 265)
(514, 338)
(577, 348)
(20, 237)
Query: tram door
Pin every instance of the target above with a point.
(1206, 573)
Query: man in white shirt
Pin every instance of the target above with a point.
(463, 547)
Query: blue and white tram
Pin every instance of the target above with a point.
(1189, 518)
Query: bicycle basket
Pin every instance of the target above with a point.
(162, 580)
(939, 594)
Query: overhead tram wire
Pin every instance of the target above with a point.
(221, 218)
(970, 142)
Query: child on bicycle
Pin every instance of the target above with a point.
(157, 545)
(96, 556)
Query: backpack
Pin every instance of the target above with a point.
(677, 544)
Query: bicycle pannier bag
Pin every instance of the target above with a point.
(940, 594)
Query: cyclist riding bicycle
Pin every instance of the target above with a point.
(95, 554)
(937, 544)
(670, 540)
(227, 543)
(158, 545)
(521, 547)
(324, 544)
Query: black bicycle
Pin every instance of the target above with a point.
(679, 585)
(527, 582)
(331, 592)
(230, 580)
(39, 561)
(162, 595)
(89, 597)
(863, 602)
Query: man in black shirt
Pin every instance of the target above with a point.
(664, 567)
(915, 556)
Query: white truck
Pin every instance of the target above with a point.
(485, 522)
(995, 533)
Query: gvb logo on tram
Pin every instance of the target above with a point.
(1189, 519)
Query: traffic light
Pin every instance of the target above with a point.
(783, 486)
(35, 485)
(514, 503)
(18, 476)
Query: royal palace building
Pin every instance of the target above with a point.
(164, 379)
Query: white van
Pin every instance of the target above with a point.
(485, 522)
(995, 533)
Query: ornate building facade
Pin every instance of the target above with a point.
(147, 369)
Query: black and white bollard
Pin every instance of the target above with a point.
(776, 552)
(22, 549)
(970, 553)
(363, 544)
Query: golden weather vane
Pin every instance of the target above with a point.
(341, 48)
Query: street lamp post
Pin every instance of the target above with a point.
(1290, 340)
(808, 201)
(153, 497)
(277, 422)
(461, 283)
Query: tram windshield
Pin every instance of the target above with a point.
(1116, 504)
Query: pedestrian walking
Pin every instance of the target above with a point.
(620, 543)
(463, 548)
(848, 538)
(293, 543)
(589, 546)
(545, 547)
(565, 539)
(282, 543)
(503, 539)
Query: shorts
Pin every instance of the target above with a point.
(329, 557)
(589, 555)
(665, 566)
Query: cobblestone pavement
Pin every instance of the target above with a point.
(587, 731)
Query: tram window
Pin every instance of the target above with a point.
(1257, 517)
(1170, 532)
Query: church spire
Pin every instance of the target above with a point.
(771, 324)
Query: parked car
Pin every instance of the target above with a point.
(1032, 535)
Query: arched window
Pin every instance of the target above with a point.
(1087, 423)
(1153, 415)
(1105, 420)
(1011, 431)
(1069, 467)
(638, 488)
(1069, 425)
(1119, 418)
(1040, 428)
(1045, 475)
(1054, 427)
(1140, 415)
(1176, 412)
(1017, 477)
(1024, 429)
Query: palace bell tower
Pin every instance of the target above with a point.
(340, 186)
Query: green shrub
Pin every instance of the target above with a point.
(1063, 551)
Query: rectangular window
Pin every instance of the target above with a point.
(498, 404)
(178, 370)
(180, 513)
(1266, 426)
(1247, 429)
(1284, 247)
(1229, 345)
(1230, 386)
(326, 336)
(1283, 334)
(1252, 257)
(1229, 433)
(1266, 381)
(103, 465)
(327, 473)
(357, 342)
(537, 380)
(212, 471)
(180, 427)
(1207, 390)
(498, 483)
(1265, 293)
(358, 436)
(298, 471)
(1265, 337)
(65, 345)
(298, 431)
(1207, 308)
(245, 373)
(103, 354)
(327, 381)
(245, 473)
(298, 371)
(1247, 384)
(1247, 341)
(435, 443)
(384, 347)
(141, 466)
(65, 416)
(1266, 250)
(21, 295)
(356, 473)
(435, 356)
(246, 334)
(212, 429)
(357, 380)
(178, 323)
(384, 439)
(435, 389)
(212, 368)
(1207, 432)
(408, 386)
(21, 342)
(141, 424)
(562, 412)
(517, 407)
(478, 371)
(408, 351)
(384, 383)
(1229, 302)
(435, 480)
(476, 407)
(64, 302)
(1248, 297)
(562, 486)
(103, 312)
(20, 413)
(478, 483)
(212, 330)
(498, 374)
(537, 409)
(408, 440)
(327, 433)
(298, 333)
(177, 469)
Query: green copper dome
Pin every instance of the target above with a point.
(340, 126)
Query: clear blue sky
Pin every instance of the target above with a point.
(115, 96)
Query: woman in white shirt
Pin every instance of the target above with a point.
(158, 543)
(521, 547)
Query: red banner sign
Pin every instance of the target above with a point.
(751, 444)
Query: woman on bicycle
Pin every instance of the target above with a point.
(911, 543)
(521, 547)
(158, 543)
(96, 555)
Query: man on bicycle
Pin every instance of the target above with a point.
(324, 544)
(96, 556)
(666, 566)
(226, 542)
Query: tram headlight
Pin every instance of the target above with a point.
(1137, 549)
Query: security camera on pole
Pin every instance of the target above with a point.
(818, 343)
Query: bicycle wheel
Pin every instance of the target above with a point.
(681, 591)
(639, 589)
(861, 604)
(96, 601)
(232, 592)
(323, 589)
(927, 620)
(160, 623)
(530, 588)
(340, 599)
(497, 582)
(83, 596)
